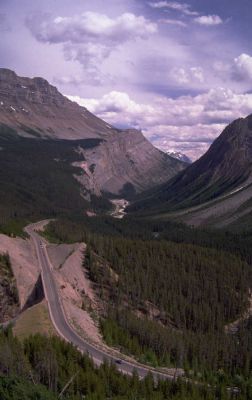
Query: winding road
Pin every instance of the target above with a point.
(62, 326)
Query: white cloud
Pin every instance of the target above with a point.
(174, 5)
(69, 80)
(192, 141)
(90, 56)
(158, 4)
(197, 73)
(238, 70)
(91, 37)
(91, 26)
(169, 21)
(209, 20)
(185, 76)
(243, 67)
(115, 104)
(187, 123)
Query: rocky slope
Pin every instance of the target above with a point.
(35, 108)
(121, 162)
(224, 171)
(20, 269)
(125, 164)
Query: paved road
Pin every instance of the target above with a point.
(60, 322)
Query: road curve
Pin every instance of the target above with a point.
(62, 326)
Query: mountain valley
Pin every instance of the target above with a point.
(125, 265)
(125, 200)
(104, 160)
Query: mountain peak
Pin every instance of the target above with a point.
(179, 156)
(119, 162)
(34, 107)
(6, 73)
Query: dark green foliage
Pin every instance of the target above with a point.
(199, 289)
(76, 229)
(120, 335)
(20, 389)
(41, 367)
(198, 281)
(14, 227)
(92, 168)
(195, 292)
(9, 300)
(5, 263)
(37, 178)
(202, 355)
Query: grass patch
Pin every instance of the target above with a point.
(50, 237)
(14, 227)
(34, 320)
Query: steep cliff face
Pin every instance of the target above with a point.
(121, 162)
(126, 164)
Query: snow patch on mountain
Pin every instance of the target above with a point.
(179, 156)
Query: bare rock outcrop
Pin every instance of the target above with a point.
(125, 164)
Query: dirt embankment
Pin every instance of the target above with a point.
(23, 263)
(75, 289)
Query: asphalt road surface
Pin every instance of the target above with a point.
(60, 322)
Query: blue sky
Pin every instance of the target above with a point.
(180, 71)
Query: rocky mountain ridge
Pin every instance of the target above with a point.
(121, 162)
(35, 108)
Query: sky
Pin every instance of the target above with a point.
(179, 71)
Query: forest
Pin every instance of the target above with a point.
(76, 228)
(195, 292)
(41, 367)
(196, 281)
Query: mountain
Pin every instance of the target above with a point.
(36, 109)
(49, 142)
(214, 187)
(179, 156)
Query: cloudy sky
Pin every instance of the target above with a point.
(180, 71)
